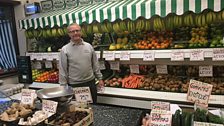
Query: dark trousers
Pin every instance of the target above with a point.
(92, 86)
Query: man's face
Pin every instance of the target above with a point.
(74, 32)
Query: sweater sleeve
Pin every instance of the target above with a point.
(96, 66)
(63, 70)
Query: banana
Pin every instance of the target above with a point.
(89, 30)
(123, 26)
(83, 32)
(209, 17)
(214, 19)
(116, 27)
(96, 28)
(109, 26)
(203, 20)
(40, 33)
(60, 32)
(147, 25)
(54, 32)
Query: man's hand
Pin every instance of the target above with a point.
(101, 83)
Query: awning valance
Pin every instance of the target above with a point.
(123, 9)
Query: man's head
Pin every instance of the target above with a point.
(74, 32)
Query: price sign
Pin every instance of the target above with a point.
(158, 105)
(177, 56)
(197, 55)
(83, 94)
(125, 55)
(39, 56)
(49, 107)
(37, 65)
(218, 54)
(161, 119)
(32, 57)
(134, 68)
(114, 65)
(102, 65)
(28, 96)
(199, 92)
(161, 69)
(110, 56)
(148, 56)
(206, 124)
(48, 64)
(205, 71)
(49, 57)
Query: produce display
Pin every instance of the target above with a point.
(16, 111)
(50, 76)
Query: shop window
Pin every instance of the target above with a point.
(8, 41)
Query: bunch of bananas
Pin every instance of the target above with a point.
(177, 21)
(210, 17)
(147, 25)
(104, 28)
(200, 20)
(220, 16)
(116, 27)
(140, 24)
(96, 28)
(131, 26)
(169, 23)
(158, 24)
(188, 20)
(123, 26)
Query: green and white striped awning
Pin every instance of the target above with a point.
(123, 9)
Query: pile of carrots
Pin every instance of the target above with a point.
(132, 81)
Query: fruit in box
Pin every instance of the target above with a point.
(199, 37)
(216, 35)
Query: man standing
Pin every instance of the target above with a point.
(78, 64)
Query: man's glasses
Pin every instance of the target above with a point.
(74, 31)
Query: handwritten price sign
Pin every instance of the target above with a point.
(125, 55)
(110, 56)
(83, 94)
(205, 71)
(197, 55)
(134, 68)
(161, 119)
(114, 65)
(158, 105)
(28, 96)
(149, 56)
(177, 56)
(49, 107)
(218, 54)
(199, 92)
(161, 69)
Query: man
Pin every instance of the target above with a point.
(78, 64)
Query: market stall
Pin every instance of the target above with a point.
(138, 37)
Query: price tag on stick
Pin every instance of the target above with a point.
(161, 69)
(110, 56)
(49, 107)
(199, 92)
(28, 96)
(177, 56)
(134, 68)
(83, 94)
(48, 64)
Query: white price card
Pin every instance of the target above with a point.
(177, 55)
(28, 96)
(205, 71)
(218, 54)
(197, 55)
(114, 65)
(49, 107)
(83, 94)
(102, 65)
(110, 55)
(37, 65)
(161, 69)
(149, 56)
(31, 57)
(48, 64)
(206, 124)
(125, 55)
(199, 92)
(158, 105)
(161, 119)
(134, 68)
(39, 56)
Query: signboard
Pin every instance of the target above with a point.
(37, 65)
(58, 4)
(161, 69)
(125, 55)
(199, 92)
(28, 96)
(71, 3)
(158, 105)
(197, 55)
(83, 94)
(218, 54)
(134, 68)
(46, 5)
(48, 64)
(205, 71)
(177, 56)
(110, 55)
(149, 56)
(49, 107)
(206, 124)
(161, 119)
(114, 65)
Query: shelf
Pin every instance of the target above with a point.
(134, 54)
(146, 96)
